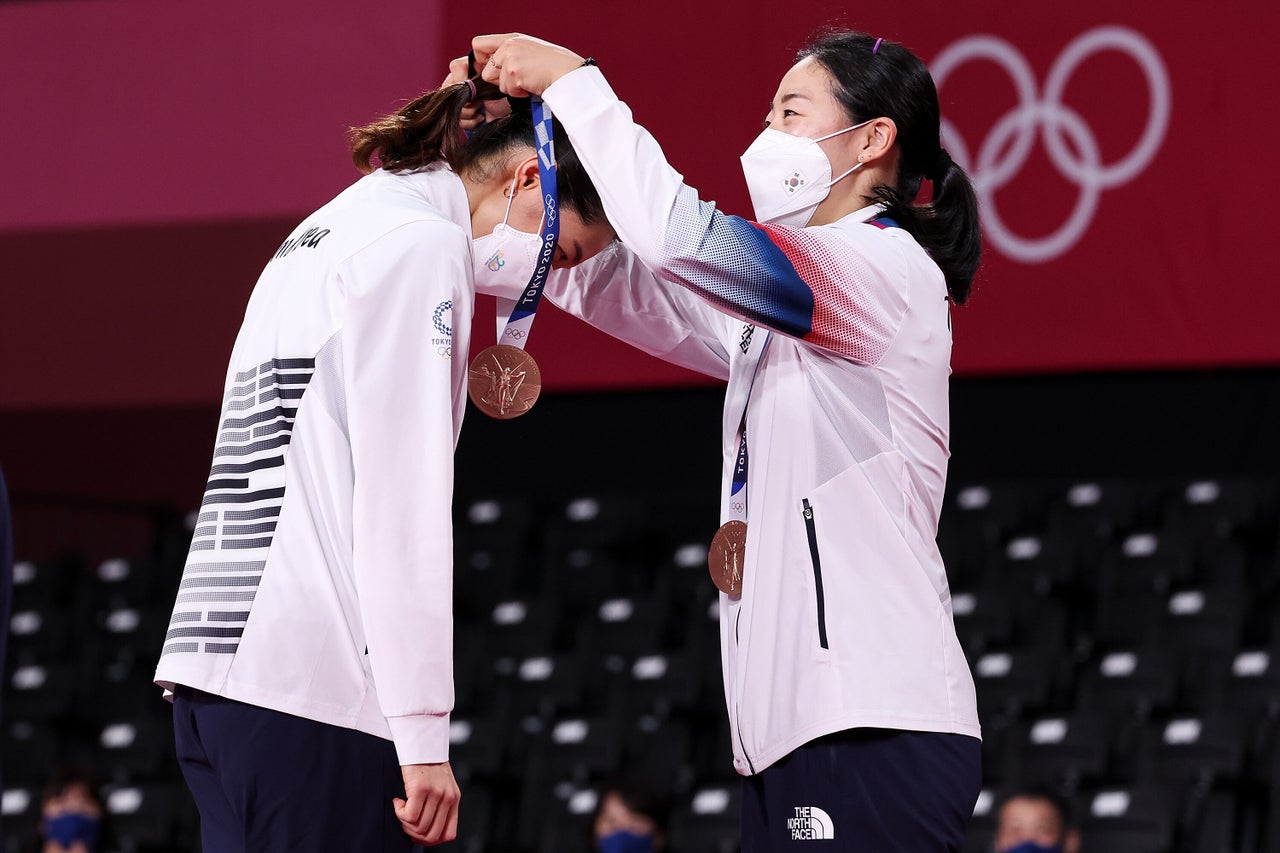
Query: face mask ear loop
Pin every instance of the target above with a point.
(514, 182)
(846, 130)
(855, 168)
(837, 133)
(512, 197)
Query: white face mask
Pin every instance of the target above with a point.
(789, 176)
(506, 257)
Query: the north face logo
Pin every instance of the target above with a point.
(811, 824)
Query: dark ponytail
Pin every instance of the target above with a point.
(426, 131)
(873, 78)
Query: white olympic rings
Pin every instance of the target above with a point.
(1052, 118)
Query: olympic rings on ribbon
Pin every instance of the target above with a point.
(1053, 119)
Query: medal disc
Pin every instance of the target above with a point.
(726, 555)
(504, 381)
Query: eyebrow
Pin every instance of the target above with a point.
(791, 96)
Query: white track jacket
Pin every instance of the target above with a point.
(840, 336)
(319, 581)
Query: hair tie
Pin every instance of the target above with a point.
(941, 165)
(876, 49)
(471, 84)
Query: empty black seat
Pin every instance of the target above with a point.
(708, 820)
(1128, 820)
(1059, 752)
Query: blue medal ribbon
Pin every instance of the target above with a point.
(516, 332)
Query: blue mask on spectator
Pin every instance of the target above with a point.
(625, 842)
(67, 829)
(1032, 847)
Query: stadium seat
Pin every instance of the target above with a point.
(39, 633)
(576, 749)
(708, 820)
(1011, 682)
(143, 816)
(39, 690)
(1217, 507)
(520, 627)
(541, 686)
(1060, 752)
(983, 617)
(1192, 750)
(1131, 682)
(659, 682)
(1147, 560)
(567, 827)
(44, 585)
(20, 816)
(623, 625)
(132, 750)
(1088, 514)
(660, 754)
(1128, 820)
(982, 826)
(28, 751)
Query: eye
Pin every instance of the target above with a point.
(788, 113)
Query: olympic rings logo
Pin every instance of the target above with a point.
(517, 334)
(1053, 119)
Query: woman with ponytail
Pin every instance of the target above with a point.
(850, 702)
(310, 650)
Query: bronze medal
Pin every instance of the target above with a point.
(726, 556)
(504, 382)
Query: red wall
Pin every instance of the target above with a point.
(158, 152)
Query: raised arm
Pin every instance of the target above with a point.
(840, 287)
(621, 297)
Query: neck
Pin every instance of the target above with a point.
(851, 193)
(486, 201)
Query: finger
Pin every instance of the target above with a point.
(448, 803)
(485, 46)
(428, 816)
(457, 72)
(451, 831)
(410, 812)
(511, 78)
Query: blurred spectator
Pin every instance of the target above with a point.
(631, 819)
(1035, 821)
(70, 814)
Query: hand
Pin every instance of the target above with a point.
(522, 65)
(430, 814)
(474, 113)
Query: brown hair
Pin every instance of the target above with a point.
(419, 133)
(426, 131)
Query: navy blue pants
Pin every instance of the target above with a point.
(267, 782)
(865, 791)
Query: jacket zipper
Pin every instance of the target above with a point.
(736, 722)
(817, 573)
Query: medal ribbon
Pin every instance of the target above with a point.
(738, 483)
(516, 332)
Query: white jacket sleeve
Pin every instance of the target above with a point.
(400, 410)
(620, 296)
(841, 288)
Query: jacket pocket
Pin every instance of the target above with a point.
(816, 559)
